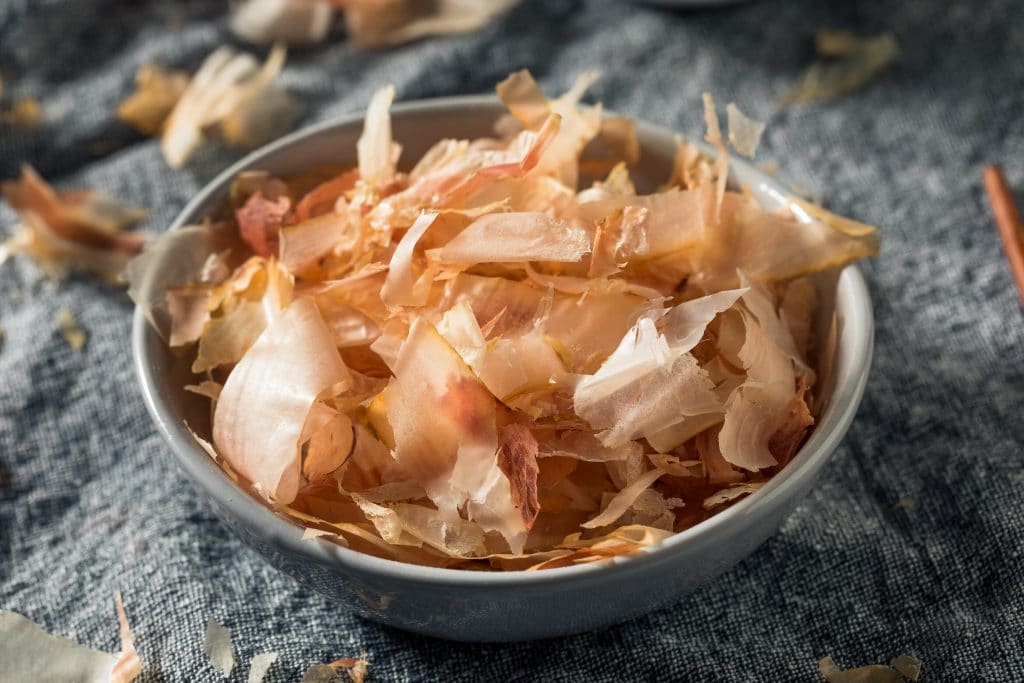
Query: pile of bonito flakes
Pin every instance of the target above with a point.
(474, 363)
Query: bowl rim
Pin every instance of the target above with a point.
(211, 479)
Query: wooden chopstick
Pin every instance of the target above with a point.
(1004, 208)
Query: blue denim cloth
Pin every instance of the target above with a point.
(91, 502)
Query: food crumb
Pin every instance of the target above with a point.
(74, 335)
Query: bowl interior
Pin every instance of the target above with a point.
(417, 126)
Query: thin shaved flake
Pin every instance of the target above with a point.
(218, 649)
(651, 382)
(29, 653)
(260, 665)
(428, 444)
(514, 237)
(623, 500)
(128, 665)
(324, 197)
(517, 458)
(378, 153)
(744, 132)
(670, 438)
(847, 64)
(524, 99)
(770, 247)
(729, 495)
(721, 167)
(228, 87)
(189, 310)
(382, 24)
(245, 312)
(150, 274)
(675, 219)
(586, 447)
(684, 324)
(400, 287)
(303, 244)
(671, 394)
(157, 90)
(70, 229)
(508, 365)
(761, 405)
(760, 302)
(276, 383)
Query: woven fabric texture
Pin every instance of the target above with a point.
(91, 502)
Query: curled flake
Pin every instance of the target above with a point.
(228, 87)
(378, 153)
(71, 229)
(675, 220)
(762, 405)
(651, 382)
(217, 646)
(622, 500)
(304, 245)
(771, 247)
(276, 383)
(31, 654)
(726, 496)
(391, 22)
(848, 63)
(401, 287)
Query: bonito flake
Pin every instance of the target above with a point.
(470, 361)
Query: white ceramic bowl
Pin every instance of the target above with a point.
(508, 606)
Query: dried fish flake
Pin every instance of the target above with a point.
(31, 654)
(260, 665)
(848, 63)
(157, 91)
(74, 335)
(217, 646)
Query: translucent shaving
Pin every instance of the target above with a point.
(218, 649)
(72, 229)
(260, 665)
(157, 91)
(744, 132)
(31, 654)
(128, 665)
(470, 361)
(233, 94)
(277, 382)
(847, 63)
